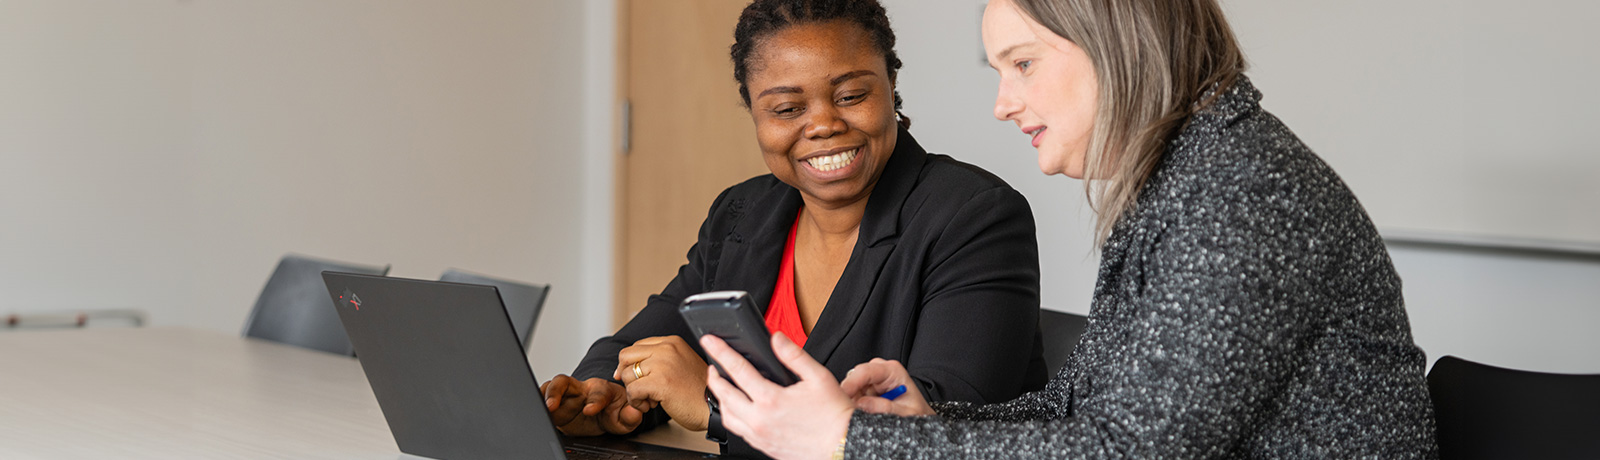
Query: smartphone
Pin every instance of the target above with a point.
(730, 316)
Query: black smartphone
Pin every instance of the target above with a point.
(730, 316)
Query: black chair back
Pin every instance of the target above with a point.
(1061, 333)
(1487, 412)
(523, 301)
(294, 307)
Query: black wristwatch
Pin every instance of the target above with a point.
(715, 432)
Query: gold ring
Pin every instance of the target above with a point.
(637, 374)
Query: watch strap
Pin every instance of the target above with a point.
(715, 432)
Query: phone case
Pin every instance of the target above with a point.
(730, 316)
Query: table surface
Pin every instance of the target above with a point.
(186, 393)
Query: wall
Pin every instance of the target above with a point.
(1461, 116)
(162, 154)
(1507, 308)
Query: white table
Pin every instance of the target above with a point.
(185, 393)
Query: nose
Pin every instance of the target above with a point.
(1006, 104)
(824, 123)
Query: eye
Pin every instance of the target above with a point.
(786, 111)
(1024, 65)
(852, 98)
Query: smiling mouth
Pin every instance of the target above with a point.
(1033, 135)
(831, 162)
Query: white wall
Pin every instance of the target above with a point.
(1507, 308)
(162, 155)
(1510, 309)
(1461, 116)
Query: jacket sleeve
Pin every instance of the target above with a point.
(660, 314)
(976, 330)
(1210, 338)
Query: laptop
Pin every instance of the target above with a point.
(450, 375)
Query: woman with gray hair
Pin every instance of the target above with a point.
(1245, 307)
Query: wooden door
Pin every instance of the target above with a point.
(689, 136)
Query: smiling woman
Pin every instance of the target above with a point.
(824, 112)
(859, 244)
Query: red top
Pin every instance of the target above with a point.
(783, 314)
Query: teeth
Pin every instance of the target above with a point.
(832, 162)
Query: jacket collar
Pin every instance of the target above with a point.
(1234, 102)
(882, 218)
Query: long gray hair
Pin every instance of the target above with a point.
(1155, 60)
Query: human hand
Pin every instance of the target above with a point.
(802, 421)
(591, 407)
(865, 382)
(670, 374)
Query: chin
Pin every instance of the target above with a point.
(1049, 168)
(1055, 162)
(1056, 170)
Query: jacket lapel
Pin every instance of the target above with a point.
(880, 229)
(752, 251)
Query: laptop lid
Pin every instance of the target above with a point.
(446, 367)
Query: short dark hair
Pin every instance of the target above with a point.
(762, 18)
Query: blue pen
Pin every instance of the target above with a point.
(895, 393)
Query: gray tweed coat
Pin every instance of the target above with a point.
(1245, 308)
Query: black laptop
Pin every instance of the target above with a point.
(450, 375)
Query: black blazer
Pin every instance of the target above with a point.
(944, 277)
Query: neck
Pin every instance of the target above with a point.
(835, 224)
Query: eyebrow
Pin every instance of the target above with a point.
(779, 90)
(796, 89)
(847, 76)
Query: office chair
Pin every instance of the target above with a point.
(1487, 412)
(522, 301)
(294, 307)
(1061, 333)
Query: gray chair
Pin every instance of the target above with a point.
(1488, 412)
(1061, 333)
(294, 307)
(522, 301)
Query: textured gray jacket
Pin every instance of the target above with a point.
(1245, 308)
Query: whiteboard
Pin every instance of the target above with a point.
(1461, 118)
